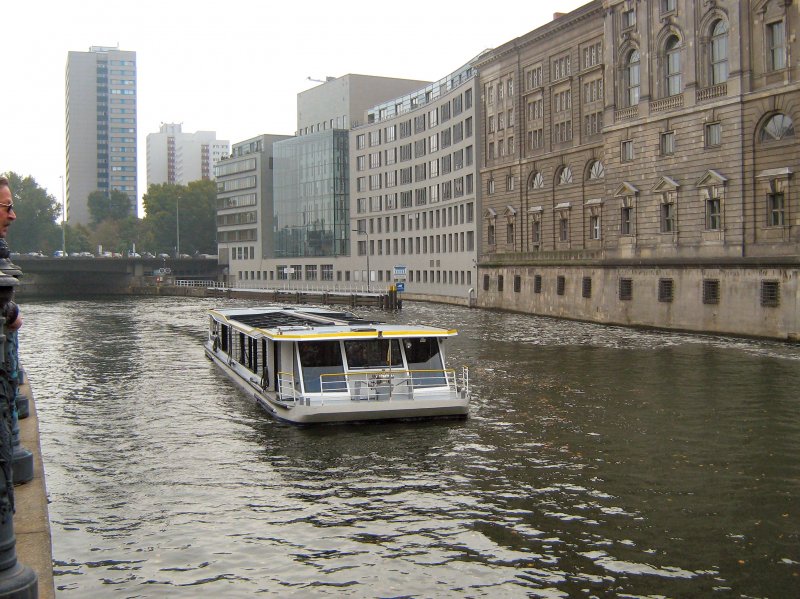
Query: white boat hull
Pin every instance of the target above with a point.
(437, 405)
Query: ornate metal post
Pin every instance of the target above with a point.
(16, 580)
(22, 458)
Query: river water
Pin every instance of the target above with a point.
(597, 462)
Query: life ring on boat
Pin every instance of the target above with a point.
(215, 342)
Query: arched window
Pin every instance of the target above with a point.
(778, 127)
(719, 52)
(537, 181)
(632, 78)
(672, 55)
(597, 170)
(565, 176)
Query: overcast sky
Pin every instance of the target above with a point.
(231, 67)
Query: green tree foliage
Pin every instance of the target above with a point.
(188, 209)
(35, 228)
(116, 206)
(78, 239)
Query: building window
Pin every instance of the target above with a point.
(665, 290)
(770, 294)
(632, 78)
(517, 283)
(713, 135)
(537, 283)
(626, 289)
(510, 233)
(485, 282)
(537, 181)
(775, 209)
(563, 228)
(499, 282)
(667, 6)
(626, 220)
(777, 128)
(668, 216)
(672, 55)
(776, 46)
(628, 18)
(594, 226)
(490, 239)
(586, 287)
(626, 150)
(536, 232)
(668, 143)
(713, 213)
(565, 176)
(561, 284)
(719, 52)
(490, 186)
(597, 171)
(710, 291)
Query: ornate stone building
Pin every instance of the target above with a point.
(638, 167)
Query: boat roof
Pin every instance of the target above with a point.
(297, 323)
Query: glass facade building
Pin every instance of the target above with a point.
(312, 195)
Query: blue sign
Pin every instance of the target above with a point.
(400, 287)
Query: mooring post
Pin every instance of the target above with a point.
(16, 580)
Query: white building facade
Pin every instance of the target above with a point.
(178, 157)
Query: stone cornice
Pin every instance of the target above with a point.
(566, 21)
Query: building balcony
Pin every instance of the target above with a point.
(715, 91)
(670, 103)
(626, 114)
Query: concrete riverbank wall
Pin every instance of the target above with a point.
(31, 520)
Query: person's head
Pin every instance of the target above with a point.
(7, 214)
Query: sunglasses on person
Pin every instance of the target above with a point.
(8, 207)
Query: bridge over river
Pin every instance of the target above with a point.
(90, 276)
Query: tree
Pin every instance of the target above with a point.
(186, 209)
(78, 239)
(114, 206)
(35, 228)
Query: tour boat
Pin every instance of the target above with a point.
(308, 365)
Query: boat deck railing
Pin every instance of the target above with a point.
(377, 385)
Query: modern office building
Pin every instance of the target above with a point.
(244, 208)
(307, 235)
(413, 187)
(100, 127)
(342, 102)
(176, 157)
(639, 167)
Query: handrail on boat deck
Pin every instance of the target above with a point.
(386, 384)
(377, 384)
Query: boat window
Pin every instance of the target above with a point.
(373, 353)
(319, 358)
(224, 337)
(424, 360)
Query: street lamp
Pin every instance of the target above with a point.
(364, 232)
(178, 227)
(63, 219)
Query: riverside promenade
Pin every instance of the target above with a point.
(31, 521)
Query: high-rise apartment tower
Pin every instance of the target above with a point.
(101, 127)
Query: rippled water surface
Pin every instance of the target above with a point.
(597, 461)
